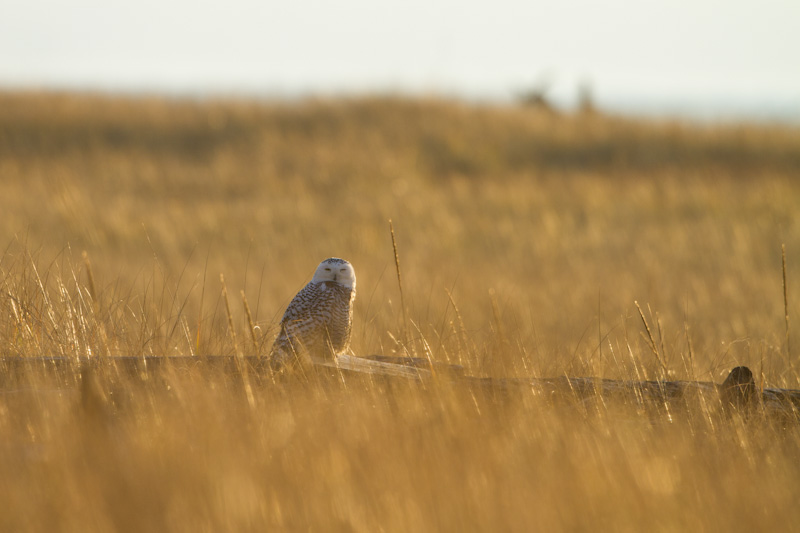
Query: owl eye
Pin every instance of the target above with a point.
(342, 269)
(327, 270)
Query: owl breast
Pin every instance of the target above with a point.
(341, 316)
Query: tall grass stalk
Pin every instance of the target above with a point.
(242, 366)
(785, 301)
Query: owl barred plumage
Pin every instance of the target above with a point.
(318, 321)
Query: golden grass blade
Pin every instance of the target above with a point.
(399, 283)
(251, 325)
(237, 352)
(786, 301)
(651, 341)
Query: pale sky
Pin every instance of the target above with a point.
(635, 53)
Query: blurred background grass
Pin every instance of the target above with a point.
(544, 227)
(567, 219)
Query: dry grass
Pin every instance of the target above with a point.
(524, 240)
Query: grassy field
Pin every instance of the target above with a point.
(524, 237)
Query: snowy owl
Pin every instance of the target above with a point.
(318, 321)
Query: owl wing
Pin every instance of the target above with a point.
(302, 304)
(303, 323)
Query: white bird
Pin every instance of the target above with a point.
(318, 321)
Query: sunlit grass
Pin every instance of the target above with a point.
(524, 240)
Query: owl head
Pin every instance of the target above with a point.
(338, 270)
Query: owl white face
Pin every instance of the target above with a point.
(338, 270)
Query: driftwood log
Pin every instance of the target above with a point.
(739, 390)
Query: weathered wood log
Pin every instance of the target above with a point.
(738, 391)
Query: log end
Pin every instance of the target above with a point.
(739, 389)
